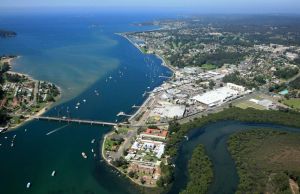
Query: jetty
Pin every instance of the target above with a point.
(123, 114)
(162, 76)
(134, 106)
(71, 120)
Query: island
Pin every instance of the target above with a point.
(21, 96)
(223, 68)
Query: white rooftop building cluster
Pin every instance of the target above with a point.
(189, 93)
(219, 96)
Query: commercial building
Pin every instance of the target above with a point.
(216, 97)
(168, 111)
(155, 133)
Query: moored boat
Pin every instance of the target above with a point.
(84, 155)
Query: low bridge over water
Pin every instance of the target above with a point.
(80, 121)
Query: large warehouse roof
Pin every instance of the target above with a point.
(215, 97)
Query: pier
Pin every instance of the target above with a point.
(134, 106)
(162, 76)
(123, 114)
(70, 120)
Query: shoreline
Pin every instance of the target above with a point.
(172, 69)
(43, 110)
(164, 63)
(116, 168)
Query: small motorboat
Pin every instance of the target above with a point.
(186, 137)
(53, 173)
(93, 141)
(84, 155)
(28, 185)
(92, 150)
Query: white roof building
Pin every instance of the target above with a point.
(216, 97)
(236, 87)
(168, 111)
(160, 151)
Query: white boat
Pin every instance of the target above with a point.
(84, 155)
(110, 77)
(84, 100)
(12, 145)
(76, 107)
(92, 150)
(78, 103)
(93, 141)
(25, 130)
(28, 185)
(53, 173)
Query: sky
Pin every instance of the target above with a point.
(204, 6)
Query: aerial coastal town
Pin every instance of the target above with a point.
(22, 96)
(215, 65)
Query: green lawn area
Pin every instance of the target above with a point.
(110, 145)
(294, 103)
(208, 66)
(248, 104)
(123, 130)
(144, 50)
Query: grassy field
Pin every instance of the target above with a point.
(248, 104)
(266, 160)
(294, 103)
(208, 66)
(123, 130)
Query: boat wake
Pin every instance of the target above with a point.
(55, 130)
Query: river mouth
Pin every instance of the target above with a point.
(214, 137)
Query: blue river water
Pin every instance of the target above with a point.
(82, 54)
